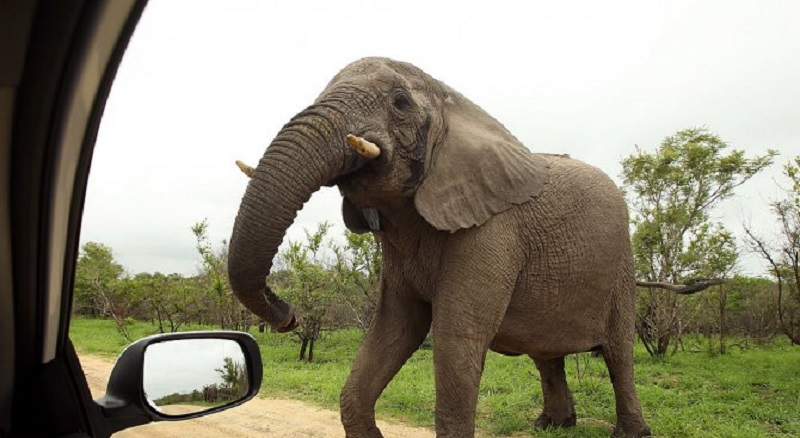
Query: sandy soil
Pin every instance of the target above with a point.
(256, 418)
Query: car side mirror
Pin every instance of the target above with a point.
(176, 376)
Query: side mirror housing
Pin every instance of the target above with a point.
(177, 376)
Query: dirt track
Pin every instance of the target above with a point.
(256, 418)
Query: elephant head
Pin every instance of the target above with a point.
(381, 129)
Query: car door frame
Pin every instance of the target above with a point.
(72, 53)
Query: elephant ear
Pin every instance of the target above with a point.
(477, 170)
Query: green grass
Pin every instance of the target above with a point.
(99, 336)
(750, 393)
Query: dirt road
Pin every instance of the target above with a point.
(256, 418)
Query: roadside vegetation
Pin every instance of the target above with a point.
(752, 392)
(722, 362)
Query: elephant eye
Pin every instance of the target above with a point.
(401, 102)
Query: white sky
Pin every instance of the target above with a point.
(204, 83)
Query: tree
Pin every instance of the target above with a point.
(672, 193)
(172, 299)
(758, 317)
(101, 285)
(358, 265)
(234, 377)
(308, 282)
(95, 271)
(719, 307)
(231, 314)
(783, 255)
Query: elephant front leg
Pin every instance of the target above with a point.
(559, 407)
(399, 326)
(458, 361)
(467, 312)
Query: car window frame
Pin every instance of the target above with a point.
(73, 52)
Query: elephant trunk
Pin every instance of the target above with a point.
(308, 152)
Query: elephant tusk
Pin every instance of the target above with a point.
(247, 170)
(364, 148)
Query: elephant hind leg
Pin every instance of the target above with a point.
(630, 422)
(559, 407)
(618, 355)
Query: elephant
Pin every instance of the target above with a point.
(485, 244)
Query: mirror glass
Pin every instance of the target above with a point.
(186, 376)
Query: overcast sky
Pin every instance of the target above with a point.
(184, 365)
(204, 83)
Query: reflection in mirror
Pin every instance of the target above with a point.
(185, 376)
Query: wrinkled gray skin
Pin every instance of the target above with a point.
(496, 247)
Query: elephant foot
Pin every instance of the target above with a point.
(372, 432)
(545, 421)
(631, 432)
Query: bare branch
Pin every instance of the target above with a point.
(691, 287)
